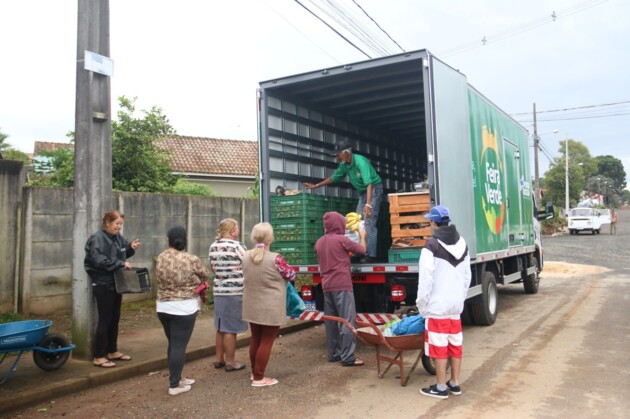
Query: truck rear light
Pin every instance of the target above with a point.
(398, 293)
(307, 292)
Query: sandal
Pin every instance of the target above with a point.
(104, 364)
(264, 382)
(218, 364)
(235, 367)
(121, 357)
(355, 363)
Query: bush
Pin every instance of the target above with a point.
(554, 225)
(184, 187)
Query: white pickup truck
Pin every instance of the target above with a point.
(587, 219)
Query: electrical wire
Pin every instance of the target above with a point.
(333, 29)
(604, 110)
(484, 40)
(332, 12)
(302, 33)
(379, 26)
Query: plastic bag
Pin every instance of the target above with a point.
(389, 326)
(409, 325)
(295, 305)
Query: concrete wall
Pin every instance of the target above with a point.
(46, 261)
(12, 177)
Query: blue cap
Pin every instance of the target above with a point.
(438, 214)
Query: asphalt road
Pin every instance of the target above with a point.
(559, 353)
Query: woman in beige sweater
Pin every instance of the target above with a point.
(264, 299)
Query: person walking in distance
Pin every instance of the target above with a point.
(444, 278)
(613, 221)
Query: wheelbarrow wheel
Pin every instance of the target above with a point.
(429, 365)
(52, 361)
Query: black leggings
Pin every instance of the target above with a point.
(178, 330)
(108, 303)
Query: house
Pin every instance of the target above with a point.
(228, 167)
(43, 164)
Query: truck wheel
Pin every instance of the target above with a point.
(531, 282)
(466, 316)
(429, 365)
(484, 313)
(52, 361)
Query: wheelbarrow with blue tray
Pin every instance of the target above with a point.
(50, 350)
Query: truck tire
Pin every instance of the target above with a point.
(429, 365)
(531, 282)
(484, 312)
(466, 316)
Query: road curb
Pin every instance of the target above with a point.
(28, 397)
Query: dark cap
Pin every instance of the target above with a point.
(344, 145)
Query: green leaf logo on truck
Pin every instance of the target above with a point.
(491, 169)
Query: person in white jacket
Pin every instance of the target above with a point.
(444, 278)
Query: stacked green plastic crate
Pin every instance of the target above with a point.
(297, 224)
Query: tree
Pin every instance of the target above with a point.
(625, 197)
(56, 169)
(254, 190)
(13, 154)
(3, 145)
(612, 168)
(138, 163)
(581, 165)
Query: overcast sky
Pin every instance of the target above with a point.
(201, 61)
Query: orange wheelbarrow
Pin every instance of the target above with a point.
(372, 335)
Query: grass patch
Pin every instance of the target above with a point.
(143, 305)
(10, 317)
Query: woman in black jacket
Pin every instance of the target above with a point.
(106, 251)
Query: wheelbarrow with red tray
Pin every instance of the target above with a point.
(370, 334)
(50, 350)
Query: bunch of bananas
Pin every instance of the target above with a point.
(353, 221)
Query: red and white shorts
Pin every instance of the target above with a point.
(443, 338)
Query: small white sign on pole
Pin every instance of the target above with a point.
(99, 63)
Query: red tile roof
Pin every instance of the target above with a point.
(212, 155)
(48, 146)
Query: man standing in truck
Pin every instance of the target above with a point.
(367, 182)
(444, 278)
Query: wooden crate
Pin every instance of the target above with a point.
(409, 202)
(407, 209)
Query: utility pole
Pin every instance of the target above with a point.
(566, 180)
(536, 146)
(92, 161)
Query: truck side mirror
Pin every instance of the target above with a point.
(547, 213)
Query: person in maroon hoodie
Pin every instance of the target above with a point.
(334, 263)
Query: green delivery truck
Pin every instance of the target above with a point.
(424, 128)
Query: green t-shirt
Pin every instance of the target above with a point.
(359, 171)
